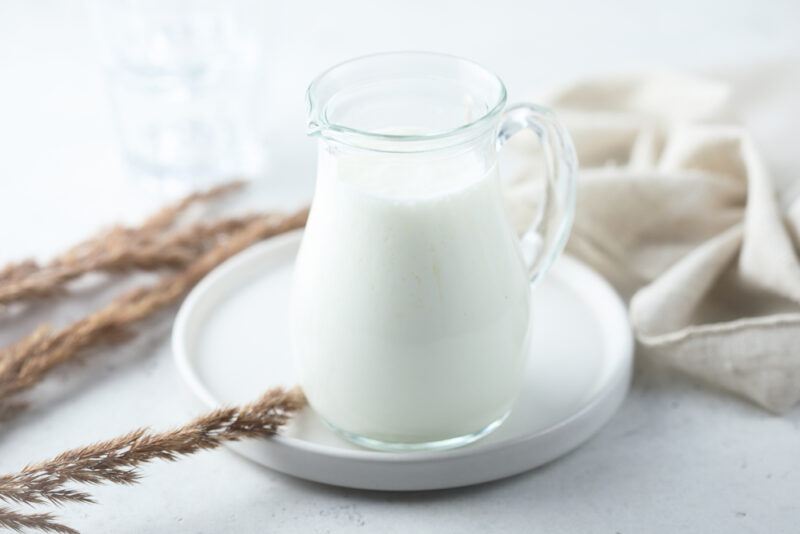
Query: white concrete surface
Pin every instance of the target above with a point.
(677, 458)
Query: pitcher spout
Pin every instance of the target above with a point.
(314, 129)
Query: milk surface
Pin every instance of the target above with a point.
(410, 306)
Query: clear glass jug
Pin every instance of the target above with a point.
(410, 309)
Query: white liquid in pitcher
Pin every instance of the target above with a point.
(410, 309)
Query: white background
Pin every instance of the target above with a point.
(676, 458)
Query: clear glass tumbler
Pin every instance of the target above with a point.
(184, 78)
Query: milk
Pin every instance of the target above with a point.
(410, 306)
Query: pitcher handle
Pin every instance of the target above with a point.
(546, 237)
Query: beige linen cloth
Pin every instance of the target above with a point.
(677, 210)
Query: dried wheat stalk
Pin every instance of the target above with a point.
(168, 215)
(196, 250)
(16, 521)
(149, 246)
(26, 362)
(121, 252)
(116, 460)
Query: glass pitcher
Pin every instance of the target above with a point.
(410, 309)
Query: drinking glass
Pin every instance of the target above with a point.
(184, 78)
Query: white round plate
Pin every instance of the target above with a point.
(230, 343)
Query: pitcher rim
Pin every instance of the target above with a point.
(319, 125)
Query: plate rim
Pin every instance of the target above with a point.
(197, 387)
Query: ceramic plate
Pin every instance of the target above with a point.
(230, 342)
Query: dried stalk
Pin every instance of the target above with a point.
(16, 521)
(116, 460)
(122, 253)
(17, 271)
(168, 215)
(26, 362)
(149, 246)
(195, 250)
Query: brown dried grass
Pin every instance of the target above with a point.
(43, 522)
(152, 245)
(193, 252)
(26, 362)
(116, 461)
